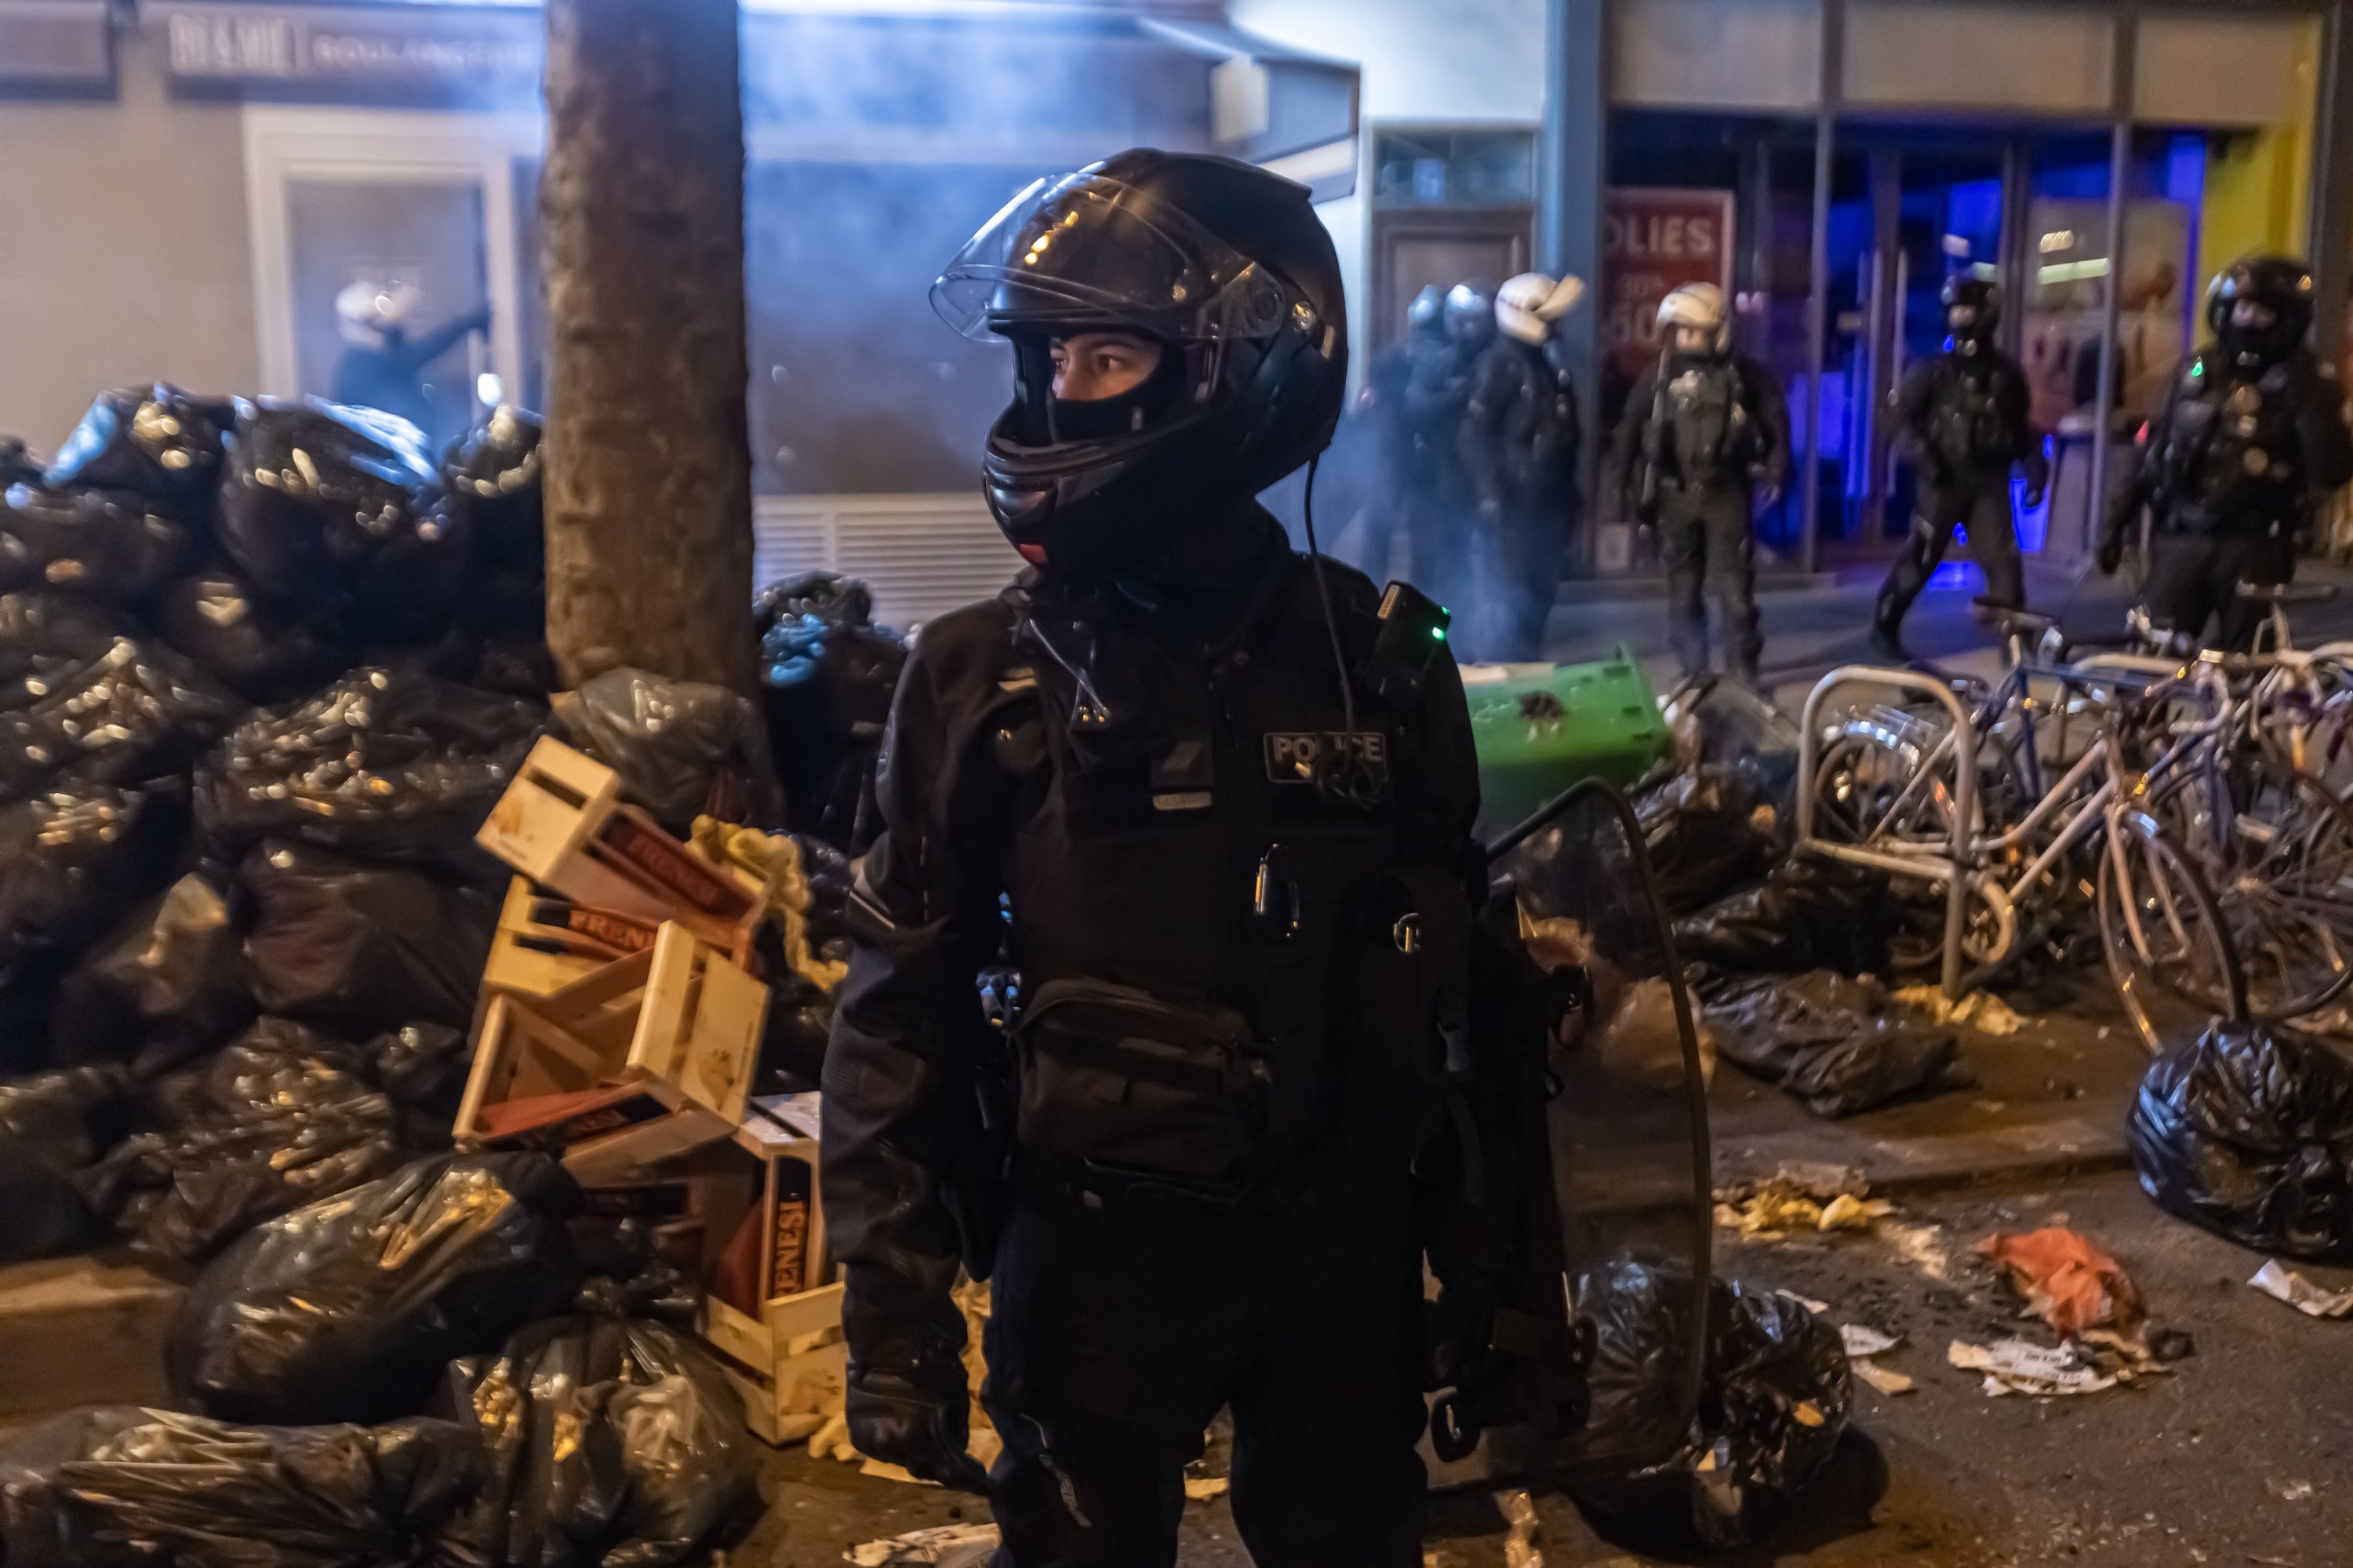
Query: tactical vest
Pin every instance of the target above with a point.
(1209, 942)
(2232, 462)
(1707, 424)
(1968, 426)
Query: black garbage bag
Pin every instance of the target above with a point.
(683, 748)
(155, 441)
(328, 505)
(356, 946)
(1809, 914)
(493, 475)
(20, 565)
(262, 654)
(2248, 1131)
(383, 764)
(108, 543)
(1841, 1045)
(17, 462)
(50, 1127)
(1777, 1400)
(352, 1309)
(121, 1486)
(167, 985)
(137, 711)
(75, 860)
(280, 1119)
(612, 1440)
(44, 636)
(1709, 834)
(826, 675)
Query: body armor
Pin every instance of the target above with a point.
(2231, 460)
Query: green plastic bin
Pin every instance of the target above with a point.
(1540, 728)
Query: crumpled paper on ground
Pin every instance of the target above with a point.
(2300, 1293)
(1980, 1010)
(943, 1544)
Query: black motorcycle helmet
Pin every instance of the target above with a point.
(1972, 313)
(1222, 264)
(1469, 316)
(2279, 292)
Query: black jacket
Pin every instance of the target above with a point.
(978, 791)
(1522, 428)
(1756, 447)
(2239, 452)
(1965, 417)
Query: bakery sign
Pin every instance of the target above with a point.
(326, 44)
(1653, 241)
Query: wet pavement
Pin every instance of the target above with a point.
(2241, 1454)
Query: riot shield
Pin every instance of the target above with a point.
(1621, 1133)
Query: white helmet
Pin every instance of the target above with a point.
(1528, 305)
(1699, 305)
(366, 310)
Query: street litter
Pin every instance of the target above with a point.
(942, 1545)
(1881, 1378)
(1201, 1489)
(1980, 1010)
(1785, 1203)
(2068, 1283)
(2300, 1293)
(1862, 1344)
(2013, 1366)
(1521, 1549)
(2291, 1491)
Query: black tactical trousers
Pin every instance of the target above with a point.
(1978, 503)
(1116, 1334)
(1705, 542)
(2193, 579)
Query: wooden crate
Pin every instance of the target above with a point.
(563, 824)
(545, 941)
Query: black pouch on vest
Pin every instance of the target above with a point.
(1141, 1087)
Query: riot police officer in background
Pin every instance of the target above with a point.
(1437, 394)
(1188, 785)
(2252, 435)
(1705, 430)
(1963, 414)
(1521, 435)
(1396, 467)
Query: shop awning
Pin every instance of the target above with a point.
(1275, 106)
(54, 44)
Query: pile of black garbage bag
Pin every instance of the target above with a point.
(1790, 957)
(265, 667)
(426, 1369)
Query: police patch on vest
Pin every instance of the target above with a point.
(1294, 759)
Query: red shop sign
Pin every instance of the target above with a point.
(1653, 241)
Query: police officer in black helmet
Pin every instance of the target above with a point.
(1963, 414)
(2252, 433)
(1179, 784)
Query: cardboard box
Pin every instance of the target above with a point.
(545, 941)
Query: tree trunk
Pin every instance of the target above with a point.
(648, 462)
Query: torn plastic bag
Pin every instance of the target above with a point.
(50, 1127)
(1839, 1045)
(2248, 1131)
(612, 1441)
(1708, 833)
(137, 711)
(683, 748)
(357, 948)
(383, 764)
(1777, 1398)
(263, 654)
(352, 1309)
(281, 1118)
(826, 676)
(168, 984)
(108, 543)
(492, 474)
(155, 441)
(44, 638)
(326, 505)
(75, 860)
(127, 1487)
(1808, 915)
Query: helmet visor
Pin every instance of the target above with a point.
(1084, 251)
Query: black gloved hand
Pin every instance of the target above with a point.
(918, 1420)
(2112, 554)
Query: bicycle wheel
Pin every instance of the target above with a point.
(2276, 848)
(2168, 949)
(1869, 786)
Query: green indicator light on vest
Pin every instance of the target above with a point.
(1438, 632)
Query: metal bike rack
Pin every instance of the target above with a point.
(1965, 799)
